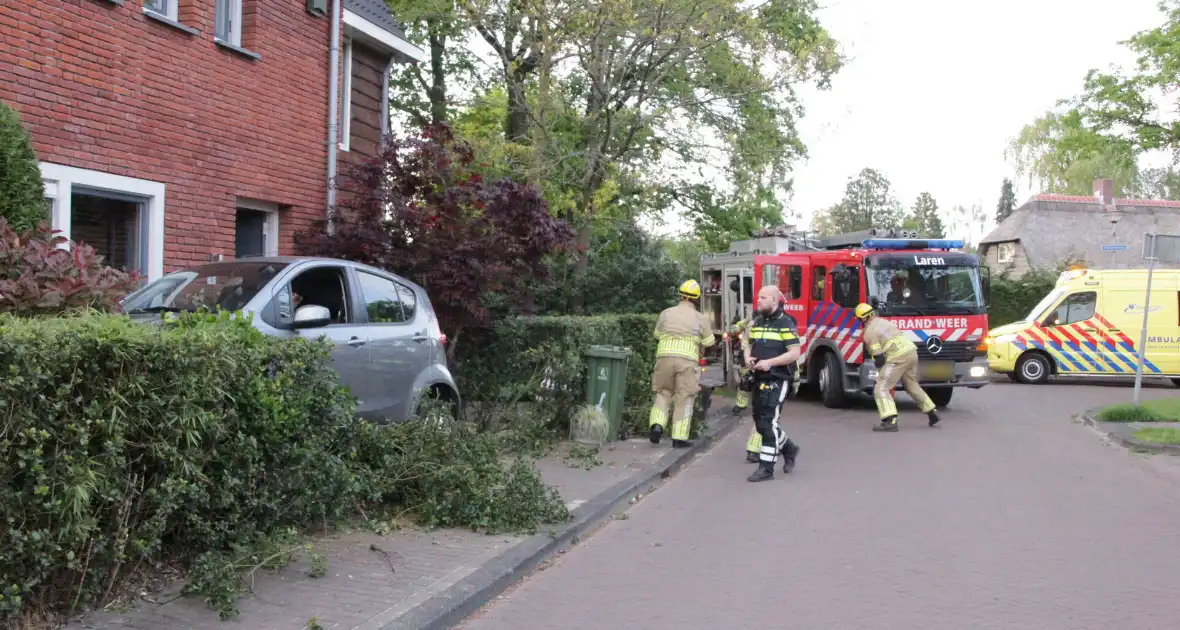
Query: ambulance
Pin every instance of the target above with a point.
(931, 289)
(1090, 324)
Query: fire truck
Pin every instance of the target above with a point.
(933, 291)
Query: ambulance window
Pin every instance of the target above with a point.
(846, 289)
(1078, 307)
(817, 283)
(794, 288)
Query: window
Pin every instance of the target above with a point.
(769, 274)
(794, 288)
(383, 300)
(1078, 307)
(228, 24)
(409, 302)
(121, 217)
(215, 286)
(846, 287)
(817, 283)
(323, 286)
(345, 122)
(256, 229)
(166, 8)
(1006, 252)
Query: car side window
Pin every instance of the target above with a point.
(382, 300)
(409, 301)
(1078, 307)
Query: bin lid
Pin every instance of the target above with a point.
(608, 352)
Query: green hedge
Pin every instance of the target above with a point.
(195, 441)
(540, 360)
(1013, 298)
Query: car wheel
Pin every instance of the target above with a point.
(941, 396)
(1033, 368)
(437, 408)
(831, 381)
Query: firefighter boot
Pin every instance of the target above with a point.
(888, 425)
(764, 472)
(742, 402)
(790, 452)
(682, 443)
(657, 432)
(933, 415)
(751, 458)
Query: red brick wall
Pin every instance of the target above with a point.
(100, 86)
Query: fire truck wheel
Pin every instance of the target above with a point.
(831, 381)
(1033, 368)
(940, 396)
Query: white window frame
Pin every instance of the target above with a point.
(270, 229)
(344, 142)
(235, 26)
(59, 183)
(1005, 252)
(170, 11)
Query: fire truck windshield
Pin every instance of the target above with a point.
(936, 284)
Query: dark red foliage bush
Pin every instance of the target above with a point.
(37, 277)
(420, 210)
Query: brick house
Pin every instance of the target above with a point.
(1048, 230)
(173, 131)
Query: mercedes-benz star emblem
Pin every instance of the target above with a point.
(934, 344)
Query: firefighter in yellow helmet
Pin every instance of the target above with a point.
(682, 331)
(896, 358)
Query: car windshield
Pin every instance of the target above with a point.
(925, 289)
(1045, 303)
(216, 286)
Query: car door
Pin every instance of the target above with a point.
(399, 348)
(1124, 313)
(1070, 334)
(330, 285)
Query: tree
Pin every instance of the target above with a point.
(1124, 104)
(868, 203)
(419, 209)
(22, 195)
(1007, 202)
(925, 217)
(1059, 154)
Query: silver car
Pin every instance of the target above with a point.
(389, 347)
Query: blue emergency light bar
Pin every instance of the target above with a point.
(906, 243)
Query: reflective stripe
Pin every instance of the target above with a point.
(773, 334)
(678, 347)
(897, 347)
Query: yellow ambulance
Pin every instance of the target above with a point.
(1090, 325)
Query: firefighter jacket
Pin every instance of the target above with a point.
(682, 331)
(771, 336)
(884, 339)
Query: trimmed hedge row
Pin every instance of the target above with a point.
(195, 441)
(540, 359)
(1013, 298)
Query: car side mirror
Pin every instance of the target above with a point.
(311, 316)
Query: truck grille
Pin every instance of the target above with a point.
(951, 351)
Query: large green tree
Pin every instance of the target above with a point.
(1007, 203)
(925, 217)
(22, 195)
(868, 202)
(1059, 153)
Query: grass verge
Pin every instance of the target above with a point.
(1161, 410)
(1159, 435)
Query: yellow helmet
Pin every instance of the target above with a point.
(691, 289)
(863, 311)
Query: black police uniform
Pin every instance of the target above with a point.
(771, 336)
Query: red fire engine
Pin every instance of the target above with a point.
(937, 295)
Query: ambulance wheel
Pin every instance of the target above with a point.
(940, 396)
(1033, 368)
(1176, 381)
(831, 381)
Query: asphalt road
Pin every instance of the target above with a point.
(1009, 516)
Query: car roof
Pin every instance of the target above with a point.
(296, 260)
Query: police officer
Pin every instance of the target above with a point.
(754, 442)
(896, 358)
(771, 352)
(682, 331)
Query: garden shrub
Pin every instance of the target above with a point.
(22, 194)
(197, 441)
(541, 360)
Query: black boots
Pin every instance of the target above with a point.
(790, 451)
(681, 443)
(657, 432)
(933, 415)
(751, 458)
(888, 425)
(764, 472)
(737, 410)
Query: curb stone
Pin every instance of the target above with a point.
(1090, 417)
(467, 596)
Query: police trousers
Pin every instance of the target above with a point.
(769, 396)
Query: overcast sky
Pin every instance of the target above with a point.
(935, 89)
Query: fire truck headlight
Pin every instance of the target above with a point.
(978, 371)
(872, 374)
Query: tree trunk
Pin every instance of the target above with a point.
(516, 123)
(438, 76)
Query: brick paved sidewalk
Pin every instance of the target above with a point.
(361, 592)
